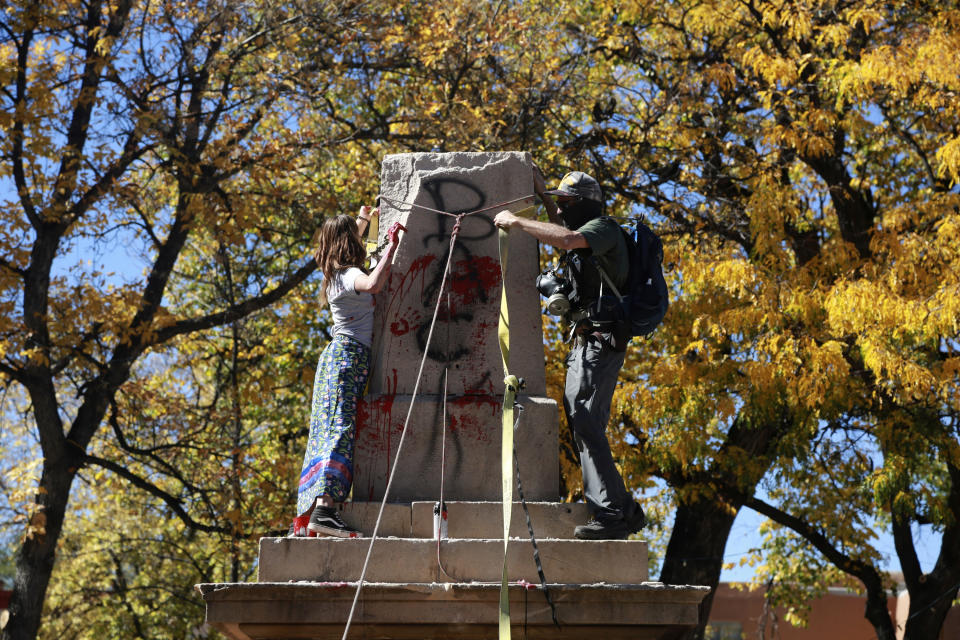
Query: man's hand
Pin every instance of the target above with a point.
(553, 234)
(505, 220)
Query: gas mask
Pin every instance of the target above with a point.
(560, 285)
(553, 286)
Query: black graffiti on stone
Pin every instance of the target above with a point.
(454, 187)
(455, 349)
(467, 274)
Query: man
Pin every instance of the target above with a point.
(577, 224)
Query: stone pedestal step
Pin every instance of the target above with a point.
(258, 611)
(467, 519)
(454, 560)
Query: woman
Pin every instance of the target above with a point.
(341, 373)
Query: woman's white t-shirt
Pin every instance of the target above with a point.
(352, 311)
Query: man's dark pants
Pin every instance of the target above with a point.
(592, 371)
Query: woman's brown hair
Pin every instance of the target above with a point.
(338, 247)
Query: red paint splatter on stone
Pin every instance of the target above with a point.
(482, 272)
(400, 327)
(475, 416)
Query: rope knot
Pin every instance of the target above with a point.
(456, 226)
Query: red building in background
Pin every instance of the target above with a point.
(4, 603)
(838, 615)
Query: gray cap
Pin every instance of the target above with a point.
(578, 184)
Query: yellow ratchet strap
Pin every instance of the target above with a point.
(373, 230)
(503, 330)
(506, 470)
(511, 387)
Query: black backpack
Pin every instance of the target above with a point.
(640, 307)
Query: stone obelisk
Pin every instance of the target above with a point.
(425, 192)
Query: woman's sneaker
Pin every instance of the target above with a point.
(327, 521)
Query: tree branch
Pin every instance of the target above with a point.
(131, 152)
(20, 112)
(6, 264)
(903, 543)
(171, 501)
(865, 572)
(13, 373)
(238, 310)
(78, 129)
(77, 351)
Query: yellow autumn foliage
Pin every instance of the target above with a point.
(801, 162)
(799, 158)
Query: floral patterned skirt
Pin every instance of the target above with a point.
(328, 462)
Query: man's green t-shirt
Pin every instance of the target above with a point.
(607, 243)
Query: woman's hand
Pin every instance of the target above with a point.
(363, 217)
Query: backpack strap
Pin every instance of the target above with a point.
(606, 279)
(626, 243)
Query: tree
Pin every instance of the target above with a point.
(801, 158)
(124, 123)
(206, 139)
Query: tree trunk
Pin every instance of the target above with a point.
(931, 594)
(36, 557)
(879, 616)
(695, 552)
(928, 611)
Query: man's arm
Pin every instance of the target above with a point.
(539, 187)
(553, 234)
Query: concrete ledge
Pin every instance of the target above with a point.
(485, 519)
(415, 560)
(397, 519)
(421, 611)
(467, 519)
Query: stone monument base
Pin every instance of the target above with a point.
(419, 587)
(462, 611)
(422, 586)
